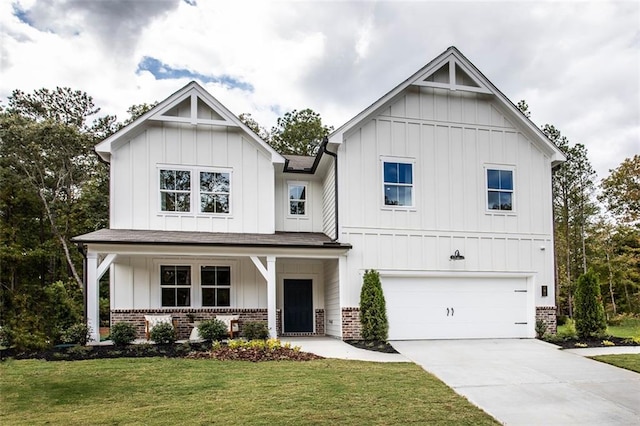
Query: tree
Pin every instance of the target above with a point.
(373, 311)
(524, 108)
(298, 132)
(251, 123)
(588, 310)
(574, 211)
(621, 190)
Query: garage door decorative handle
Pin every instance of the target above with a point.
(450, 310)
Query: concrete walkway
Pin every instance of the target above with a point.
(530, 382)
(333, 348)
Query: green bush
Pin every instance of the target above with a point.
(79, 334)
(588, 309)
(213, 330)
(541, 328)
(568, 330)
(63, 309)
(122, 333)
(163, 334)
(253, 330)
(373, 311)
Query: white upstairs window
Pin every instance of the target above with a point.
(297, 198)
(175, 190)
(398, 183)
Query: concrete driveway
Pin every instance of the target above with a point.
(530, 382)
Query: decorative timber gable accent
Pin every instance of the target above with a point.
(191, 106)
(450, 73)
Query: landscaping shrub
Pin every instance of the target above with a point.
(252, 330)
(78, 334)
(122, 333)
(373, 311)
(588, 309)
(568, 330)
(213, 330)
(541, 328)
(163, 334)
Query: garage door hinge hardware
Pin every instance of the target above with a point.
(520, 323)
(520, 291)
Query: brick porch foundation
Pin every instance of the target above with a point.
(185, 323)
(351, 324)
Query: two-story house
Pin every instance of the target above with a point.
(441, 185)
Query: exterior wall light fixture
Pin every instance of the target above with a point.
(456, 256)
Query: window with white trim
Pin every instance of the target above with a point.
(215, 188)
(500, 189)
(398, 183)
(175, 190)
(211, 193)
(215, 282)
(175, 284)
(297, 199)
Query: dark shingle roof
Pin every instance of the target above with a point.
(278, 239)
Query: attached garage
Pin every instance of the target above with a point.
(459, 307)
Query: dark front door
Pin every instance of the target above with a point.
(298, 306)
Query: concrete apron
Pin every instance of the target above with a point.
(530, 382)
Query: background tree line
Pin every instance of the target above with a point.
(54, 187)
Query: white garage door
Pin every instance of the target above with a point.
(456, 308)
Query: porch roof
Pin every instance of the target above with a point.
(221, 239)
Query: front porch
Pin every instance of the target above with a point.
(289, 280)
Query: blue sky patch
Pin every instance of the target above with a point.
(22, 15)
(163, 71)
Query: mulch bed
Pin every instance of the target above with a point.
(592, 343)
(373, 345)
(177, 350)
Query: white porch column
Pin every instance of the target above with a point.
(93, 296)
(271, 296)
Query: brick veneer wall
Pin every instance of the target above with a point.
(136, 317)
(320, 322)
(548, 315)
(351, 324)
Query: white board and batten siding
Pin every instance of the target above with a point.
(312, 220)
(135, 173)
(451, 138)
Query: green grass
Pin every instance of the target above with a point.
(628, 361)
(629, 327)
(182, 391)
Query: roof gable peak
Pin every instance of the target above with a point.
(450, 71)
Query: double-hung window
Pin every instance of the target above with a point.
(214, 192)
(195, 190)
(297, 199)
(175, 283)
(215, 282)
(499, 189)
(398, 183)
(175, 190)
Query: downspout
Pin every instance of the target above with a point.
(325, 142)
(82, 251)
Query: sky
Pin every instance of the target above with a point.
(577, 64)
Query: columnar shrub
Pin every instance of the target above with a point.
(122, 333)
(213, 330)
(588, 309)
(373, 311)
(163, 334)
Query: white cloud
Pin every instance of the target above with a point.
(576, 63)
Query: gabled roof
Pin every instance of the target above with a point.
(453, 71)
(191, 105)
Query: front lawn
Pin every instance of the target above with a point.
(187, 391)
(628, 361)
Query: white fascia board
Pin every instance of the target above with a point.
(214, 251)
